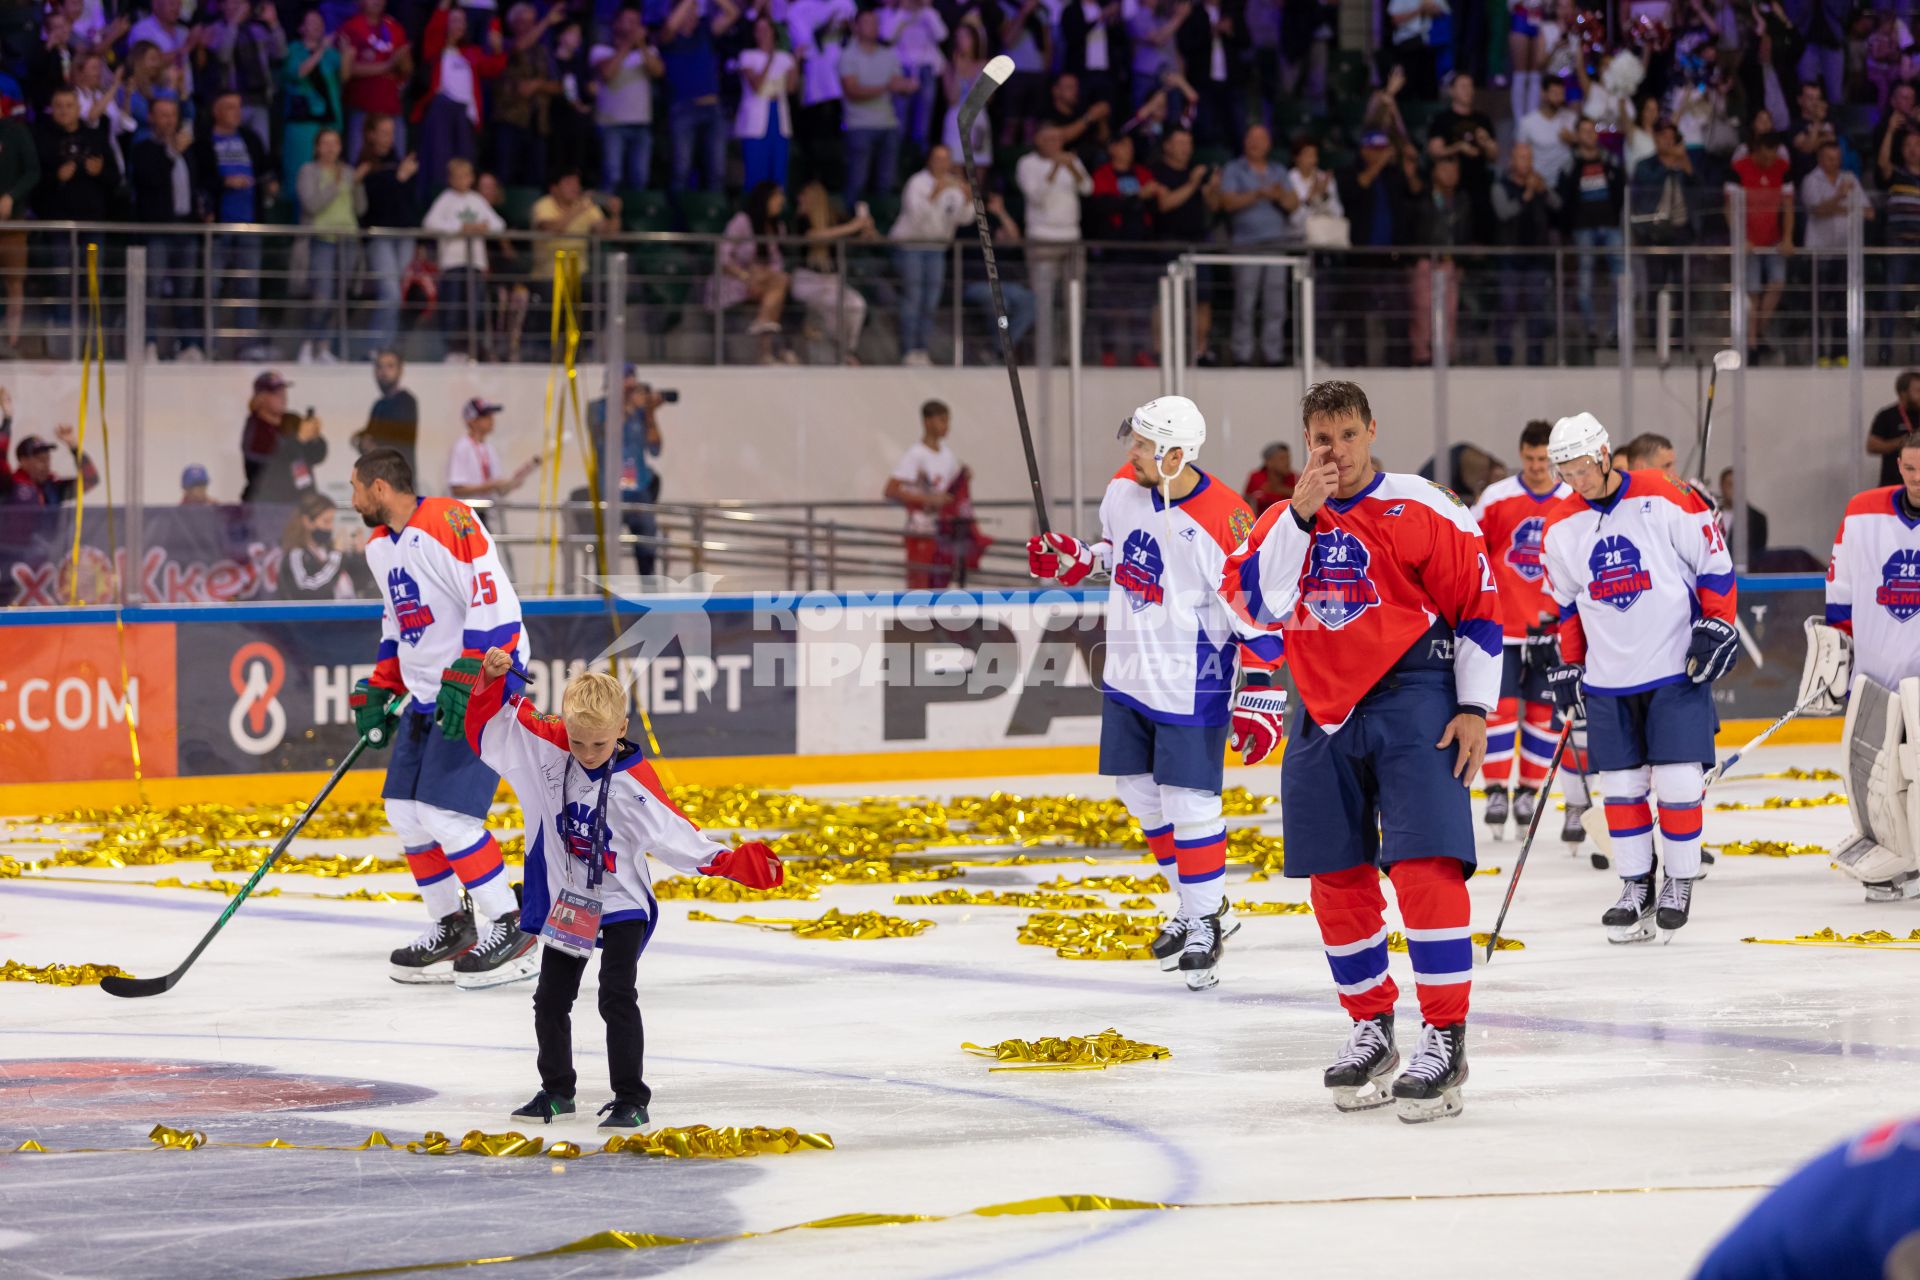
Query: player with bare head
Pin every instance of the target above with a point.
(1865, 657)
(1172, 649)
(1383, 589)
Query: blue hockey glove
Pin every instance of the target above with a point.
(1563, 683)
(1712, 651)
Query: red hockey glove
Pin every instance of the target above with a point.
(752, 864)
(1259, 722)
(1060, 556)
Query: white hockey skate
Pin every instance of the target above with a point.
(1359, 1076)
(1631, 919)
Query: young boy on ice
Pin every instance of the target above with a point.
(594, 810)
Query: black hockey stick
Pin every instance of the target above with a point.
(133, 988)
(1533, 828)
(991, 77)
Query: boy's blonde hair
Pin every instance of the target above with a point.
(595, 699)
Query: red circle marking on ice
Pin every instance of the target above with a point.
(54, 1090)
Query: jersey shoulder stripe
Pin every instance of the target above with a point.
(451, 523)
(548, 728)
(1658, 484)
(1884, 501)
(641, 771)
(1222, 513)
(1398, 487)
(1566, 508)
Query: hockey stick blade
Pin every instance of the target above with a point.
(135, 988)
(1533, 829)
(991, 77)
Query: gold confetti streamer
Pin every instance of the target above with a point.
(227, 887)
(1155, 883)
(60, 975)
(832, 927)
(1398, 942)
(998, 898)
(1797, 775)
(1266, 854)
(721, 889)
(701, 1142)
(1272, 909)
(1771, 849)
(1070, 1053)
(29, 1145)
(1092, 935)
(1783, 802)
(1878, 939)
(1139, 904)
(9, 869)
(182, 1139)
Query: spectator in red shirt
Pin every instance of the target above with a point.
(374, 65)
(1764, 174)
(34, 483)
(1273, 481)
(1125, 199)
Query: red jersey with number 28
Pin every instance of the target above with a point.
(446, 596)
(1365, 584)
(1513, 519)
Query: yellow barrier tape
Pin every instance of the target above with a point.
(1092, 935)
(60, 975)
(1783, 802)
(860, 926)
(1070, 1053)
(1877, 939)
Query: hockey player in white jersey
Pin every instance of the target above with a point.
(1173, 647)
(1865, 656)
(1645, 588)
(446, 602)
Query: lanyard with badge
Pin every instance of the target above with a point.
(573, 923)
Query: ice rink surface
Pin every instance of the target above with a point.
(1625, 1102)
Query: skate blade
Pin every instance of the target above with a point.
(1375, 1093)
(517, 970)
(1620, 935)
(1169, 963)
(1426, 1110)
(434, 975)
(1201, 979)
(1885, 891)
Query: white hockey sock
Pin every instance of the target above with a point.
(494, 899)
(1573, 788)
(1629, 819)
(442, 897)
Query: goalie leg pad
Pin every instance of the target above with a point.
(1882, 731)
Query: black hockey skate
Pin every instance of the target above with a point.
(1525, 800)
(1206, 939)
(1676, 896)
(545, 1107)
(1358, 1077)
(502, 954)
(1496, 812)
(1631, 919)
(1429, 1089)
(1169, 942)
(623, 1115)
(430, 957)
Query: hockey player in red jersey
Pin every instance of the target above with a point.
(1646, 594)
(1865, 657)
(447, 601)
(1166, 527)
(1512, 514)
(1383, 589)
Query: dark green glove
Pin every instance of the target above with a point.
(373, 715)
(457, 684)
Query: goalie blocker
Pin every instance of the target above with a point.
(1882, 759)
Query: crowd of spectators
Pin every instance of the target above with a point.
(1534, 125)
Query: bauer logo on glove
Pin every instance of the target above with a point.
(1712, 651)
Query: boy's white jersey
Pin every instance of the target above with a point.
(1873, 585)
(1630, 575)
(1171, 638)
(559, 796)
(446, 596)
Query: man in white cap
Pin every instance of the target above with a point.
(1173, 647)
(1645, 587)
(473, 469)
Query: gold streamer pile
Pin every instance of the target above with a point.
(1398, 942)
(720, 889)
(694, 1142)
(9, 869)
(997, 898)
(1783, 802)
(60, 975)
(1264, 853)
(1138, 904)
(1878, 939)
(1092, 935)
(861, 926)
(1272, 909)
(1798, 775)
(1771, 849)
(1071, 1053)
(1155, 883)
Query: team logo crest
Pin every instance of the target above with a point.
(1240, 524)
(1618, 579)
(1899, 592)
(576, 831)
(1140, 569)
(1336, 589)
(1529, 541)
(412, 614)
(461, 521)
(1451, 496)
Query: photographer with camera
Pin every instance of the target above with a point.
(640, 441)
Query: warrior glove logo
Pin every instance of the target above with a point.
(1899, 592)
(410, 613)
(1336, 589)
(1138, 573)
(1618, 579)
(1524, 556)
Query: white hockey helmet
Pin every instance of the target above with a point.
(1171, 422)
(1580, 436)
